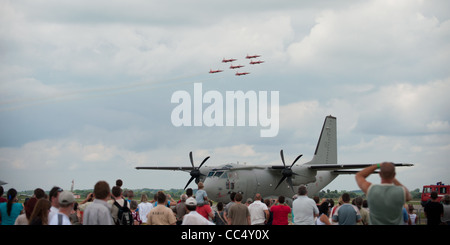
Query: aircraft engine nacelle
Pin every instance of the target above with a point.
(304, 176)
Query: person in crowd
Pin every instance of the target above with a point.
(119, 183)
(99, 212)
(10, 210)
(205, 210)
(201, 196)
(412, 215)
(364, 213)
(434, 210)
(2, 199)
(144, 207)
(280, 212)
(133, 208)
(347, 214)
(161, 215)
(39, 193)
(238, 213)
(192, 217)
(117, 204)
(66, 200)
(189, 192)
(24, 218)
(219, 216)
(324, 213)
(386, 199)
(39, 216)
(269, 205)
(84, 204)
(446, 205)
(180, 209)
(304, 208)
(248, 202)
(259, 212)
(227, 207)
(53, 198)
(75, 215)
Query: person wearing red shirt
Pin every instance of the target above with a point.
(280, 212)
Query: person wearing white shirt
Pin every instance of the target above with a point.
(144, 208)
(53, 198)
(66, 200)
(194, 218)
(259, 212)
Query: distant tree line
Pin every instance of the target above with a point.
(416, 194)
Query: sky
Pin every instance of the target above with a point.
(86, 86)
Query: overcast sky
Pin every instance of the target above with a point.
(86, 86)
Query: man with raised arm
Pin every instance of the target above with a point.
(385, 200)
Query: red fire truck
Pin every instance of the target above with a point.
(439, 187)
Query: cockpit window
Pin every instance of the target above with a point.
(224, 176)
(218, 174)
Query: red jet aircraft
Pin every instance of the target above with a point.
(215, 71)
(242, 73)
(256, 62)
(227, 60)
(252, 56)
(234, 67)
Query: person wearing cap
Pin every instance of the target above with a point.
(65, 200)
(192, 217)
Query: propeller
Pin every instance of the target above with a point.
(195, 172)
(287, 171)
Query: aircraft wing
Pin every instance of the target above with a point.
(168, 168)
(349, 166)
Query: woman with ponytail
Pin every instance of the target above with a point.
(11, 209)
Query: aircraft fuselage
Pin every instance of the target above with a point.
(219, 183)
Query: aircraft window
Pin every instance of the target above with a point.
(218, 174)
(210, 174)
(224, 176)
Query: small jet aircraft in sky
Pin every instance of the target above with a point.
(256, 62)
(215, 71)
(272, 181)
(252, 56)
(227, 60)
(235, 67)
(241, 73)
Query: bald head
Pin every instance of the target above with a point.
(258, 196)
(387, 171)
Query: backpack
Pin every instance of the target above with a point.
(124, 217)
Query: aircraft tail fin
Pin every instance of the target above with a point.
(326, 149)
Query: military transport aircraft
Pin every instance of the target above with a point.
(273, 181)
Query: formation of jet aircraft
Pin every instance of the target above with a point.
(224, 60)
